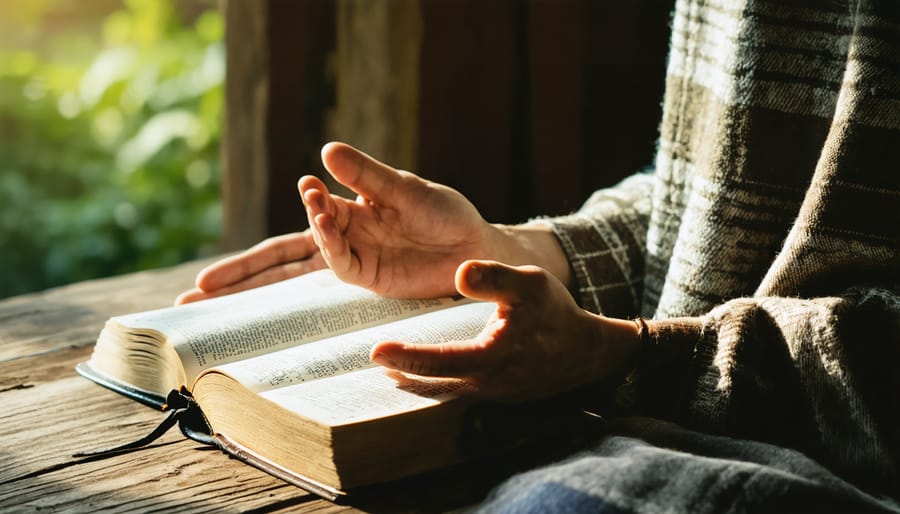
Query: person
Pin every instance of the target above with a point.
(748, 286)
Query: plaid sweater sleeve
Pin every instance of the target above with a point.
(605, 242)
(817, 375)
(808, 359)
(769, 257)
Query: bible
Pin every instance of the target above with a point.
(282, 377)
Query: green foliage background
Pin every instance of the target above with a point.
(110, 116)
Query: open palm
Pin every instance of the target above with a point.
(403, 236)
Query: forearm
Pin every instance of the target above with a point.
(596, 252)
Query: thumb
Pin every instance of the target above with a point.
(457, 359)
(492, 281)
(366, 176)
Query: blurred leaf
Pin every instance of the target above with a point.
(87, 88)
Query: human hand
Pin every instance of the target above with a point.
(277, 258)
(538, 343)
(404, 236)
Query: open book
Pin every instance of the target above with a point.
(283, 377)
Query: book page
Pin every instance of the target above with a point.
(348, 352)
(364, 395)
(280, 315)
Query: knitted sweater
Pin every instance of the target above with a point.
(763, 247)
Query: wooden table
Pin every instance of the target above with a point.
(48, 412)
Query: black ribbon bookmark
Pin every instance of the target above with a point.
(183, 411)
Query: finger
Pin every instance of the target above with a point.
(315, 196)
(491, 281)
(458, 359)
(335, 247)
(310, 182)
(265, 277)
(316, 203)
(271, 252)
(189, 296)
(366, 176)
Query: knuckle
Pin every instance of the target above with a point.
(531, 269)
(532, 281)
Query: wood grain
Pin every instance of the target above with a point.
(72, 316)
(48, 413)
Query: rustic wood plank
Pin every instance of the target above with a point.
(34, 370)
(71, 414)
(42, 426)
(72, 316)
(49, 413)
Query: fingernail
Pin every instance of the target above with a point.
(473, 277)
(384, 360)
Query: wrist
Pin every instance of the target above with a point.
(610, 348)
(534, 244)
(623, 337)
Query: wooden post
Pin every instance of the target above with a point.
(556, 48)
(471, 118)
(245, 180)
(596, 74)
(377, 67)
(276, 94)
(524, 107)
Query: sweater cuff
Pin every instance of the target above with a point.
(604, 243)
(661, 383)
